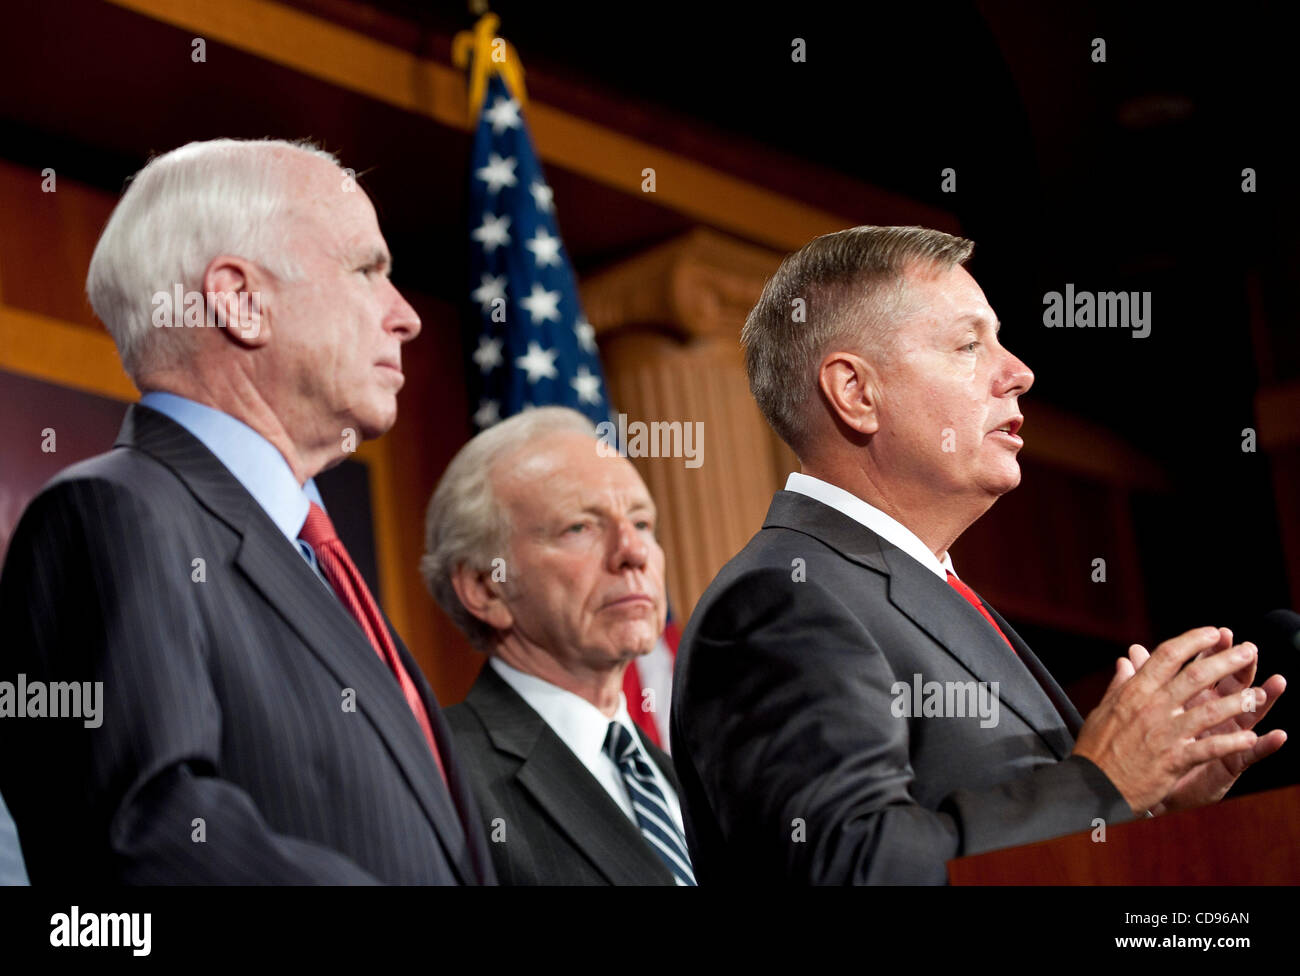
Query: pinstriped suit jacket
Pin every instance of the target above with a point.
(561, 827)
(227, 752)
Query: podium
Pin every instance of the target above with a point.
(1249, 840)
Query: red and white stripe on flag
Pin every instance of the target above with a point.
(648, 685)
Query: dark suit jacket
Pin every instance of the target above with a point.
(793, 763)
(223, 714)
(560, 826)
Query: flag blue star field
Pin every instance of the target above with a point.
(534, 347)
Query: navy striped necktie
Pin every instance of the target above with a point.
(648, 803)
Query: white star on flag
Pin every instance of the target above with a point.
(542, 196)
(488, 354)
(538, 363)
(493, 232)
(542, 304)
(588, 386)
(490, 288)
(586, 335)
(504, 114)
(545, 248)
(498, 172)
(488, 413)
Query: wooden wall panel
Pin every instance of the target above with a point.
(47, 242)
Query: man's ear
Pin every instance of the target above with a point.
(851, 388)
(232, 292)
(481, 596)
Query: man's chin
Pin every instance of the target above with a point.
(378, 423)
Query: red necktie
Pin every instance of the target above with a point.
(334, 561)
(975, 602)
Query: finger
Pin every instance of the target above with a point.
(1206, 718)
(1231, 685)
(1123, 671)
(1170, 656)
(1272, 689)
(1266, 745)
(1215, 747)
(1139, 655)
(1207, 672)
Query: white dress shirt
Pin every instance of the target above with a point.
(582, 727)
(889, 529)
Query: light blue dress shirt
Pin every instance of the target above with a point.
(254, 461)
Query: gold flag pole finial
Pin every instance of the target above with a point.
(483, 52)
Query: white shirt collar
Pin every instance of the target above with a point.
(889, 529)
(580, 724)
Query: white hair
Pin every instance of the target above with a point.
(185, 207)
(466, 524)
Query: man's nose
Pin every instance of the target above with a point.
(1017, 378)
(628, 550)
(401, 318)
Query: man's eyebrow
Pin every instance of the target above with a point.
(377, 257)
(981, 319)
(640, 505)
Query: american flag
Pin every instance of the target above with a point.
(533, 346)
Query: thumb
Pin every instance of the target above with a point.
(1123, 671)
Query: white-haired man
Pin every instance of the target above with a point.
(262, 722)
(541, 546)
(809, 740)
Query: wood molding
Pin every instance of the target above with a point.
(63, 353)
(702, 283)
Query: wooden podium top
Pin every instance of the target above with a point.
(1250, 840)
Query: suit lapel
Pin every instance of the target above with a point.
(935, 607)
(562, 786)
(1059, 699)
(293, 591)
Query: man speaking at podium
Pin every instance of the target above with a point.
(805, 748)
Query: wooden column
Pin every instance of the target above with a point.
(668, 322)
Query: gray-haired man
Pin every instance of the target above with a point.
(262, 722)
(541, 546)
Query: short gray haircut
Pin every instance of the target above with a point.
(466, 524)
(185, 207)
(851, 285)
